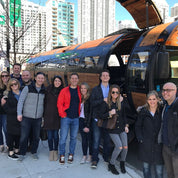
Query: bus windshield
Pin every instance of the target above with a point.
(137, 70)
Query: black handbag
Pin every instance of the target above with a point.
(43, 134)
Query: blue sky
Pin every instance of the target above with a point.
(121, 13)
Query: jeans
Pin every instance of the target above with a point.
(99, 132)
(120, 147)
(86, 138)
(66, 124)
(3, 123)
(26, 125)
(53, 139)
(158, 169)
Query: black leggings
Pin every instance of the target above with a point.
(13, 141)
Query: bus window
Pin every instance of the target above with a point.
(90, 62)
(137, 70)
(174, 66)
(113, 61)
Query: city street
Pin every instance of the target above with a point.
(43, 168)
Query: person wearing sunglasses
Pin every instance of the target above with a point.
(147, 130)
(115, 105)
(4, 78)
(13, 125)
(170, 129)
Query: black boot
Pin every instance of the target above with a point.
(112, 169)
(122, 166)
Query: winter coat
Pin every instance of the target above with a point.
(96, 99)
(13, 125)
(87, 113)
(51, 115)
(172, 114)
(63, 102)
(147, 128)
(1, 95)
(31, 102)
(103, 113)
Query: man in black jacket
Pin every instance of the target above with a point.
(98, 96)
(170, 129)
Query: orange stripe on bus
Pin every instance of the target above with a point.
(153, 35)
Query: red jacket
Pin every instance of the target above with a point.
(63, 101)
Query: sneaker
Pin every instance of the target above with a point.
(83, 160)
(62, 159)
(35, 156)
(13, 157)
(88, 160)
(94, 165)
(17, 154)
(70, 159)
(21, 158)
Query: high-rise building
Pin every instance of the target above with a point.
(60, 23)
(30, 36)
(126, 24)
(96, 19)
(163, 8)
(174, 10)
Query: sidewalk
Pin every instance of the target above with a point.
(43, 168)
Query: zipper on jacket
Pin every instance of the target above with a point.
(37, 106)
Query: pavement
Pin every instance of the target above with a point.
(43, 168)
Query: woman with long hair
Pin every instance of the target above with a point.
(51, 116)
(118, 134)
(13, 125)
(147, 129)
(4, 78)
(84, 123)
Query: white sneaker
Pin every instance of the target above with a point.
(83, 160)
(88, 160)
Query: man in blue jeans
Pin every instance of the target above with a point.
(31, 104)
(68, 104)
(99, 94)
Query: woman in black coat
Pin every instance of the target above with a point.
(9, 103)
(147, 129)
(51, 116)
(84, 124)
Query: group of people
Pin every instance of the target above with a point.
(157, 133)
(26, 105)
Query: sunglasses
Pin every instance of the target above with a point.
(4, 76)
(14, 84)
(113, 92)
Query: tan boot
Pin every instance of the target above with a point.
(51, 155)
(55, 155)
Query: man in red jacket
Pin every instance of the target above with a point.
(68, 104)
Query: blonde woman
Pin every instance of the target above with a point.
(147, 130)
(84, 124)
(119, 133)
(4, 78)
(9, 103)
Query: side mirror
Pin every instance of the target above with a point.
(162, 67)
